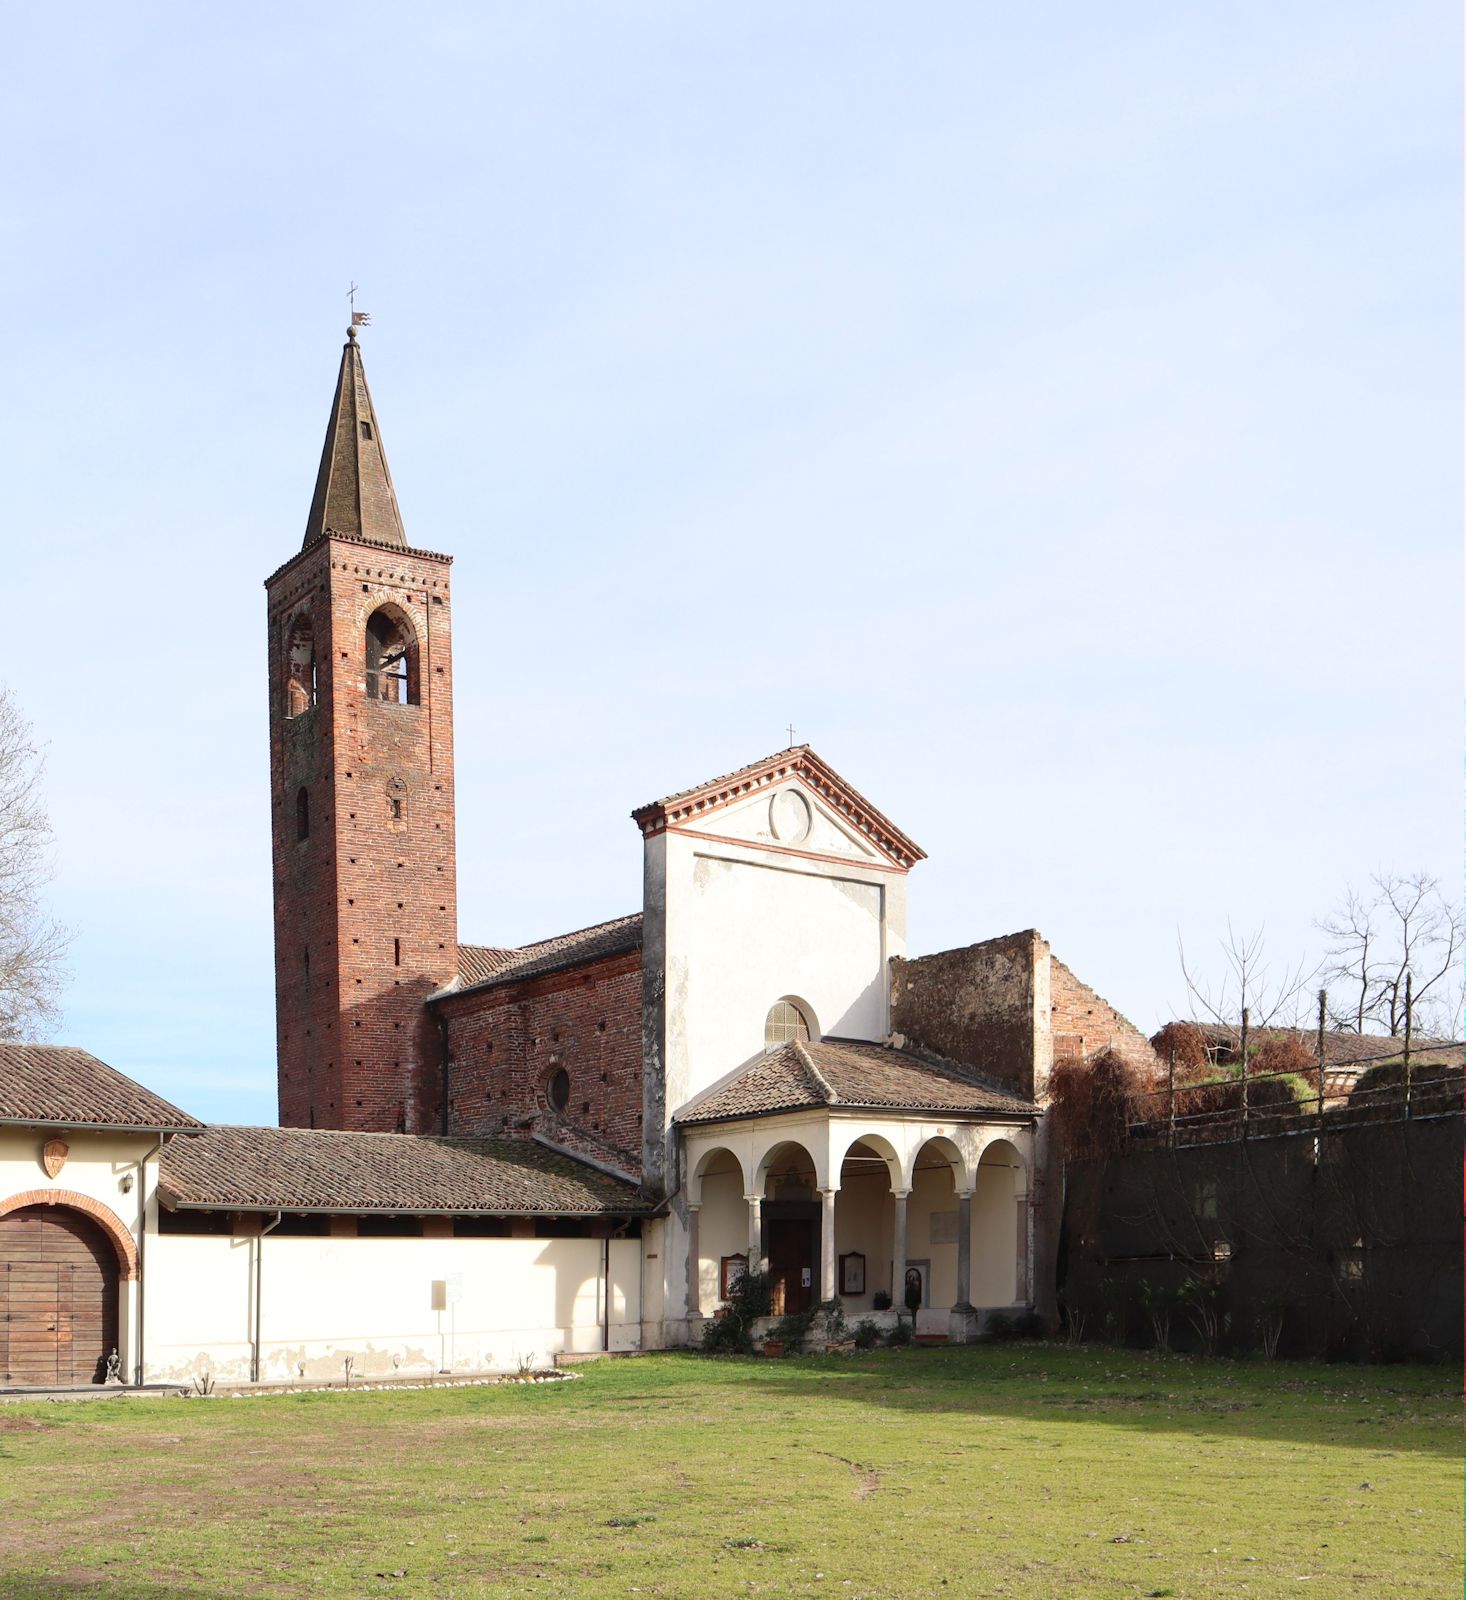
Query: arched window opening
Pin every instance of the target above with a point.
(300, 666)
(302, 814)
(557, 1089)
(784, 1024)
(391, 658)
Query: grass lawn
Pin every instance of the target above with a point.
(1017, 1470)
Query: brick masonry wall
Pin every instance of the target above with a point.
(371, 901)
(974, 1005)
(505, 1043)
(1085, 1023)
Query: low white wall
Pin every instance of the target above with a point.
(371, 1299)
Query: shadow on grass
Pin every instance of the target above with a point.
(1390, 1408)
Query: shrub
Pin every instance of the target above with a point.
(732, 1334)
(881, 1300)
(867, 1335)
(902, 1334)
(1188, 1042)
(1011, 1325)
(1093, 1103)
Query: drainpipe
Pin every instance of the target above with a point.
(443, 1075)
(254, 1361)
(142, 1250)
(606, 1293)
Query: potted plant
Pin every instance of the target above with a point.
(773, 1346)
(881, 1300)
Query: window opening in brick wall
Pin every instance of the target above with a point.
(396, 804)
(300, 666)
(397, 952)
(302, 814)
(366, 430)
(391, 657)
(557, 1089)
(784, 1024)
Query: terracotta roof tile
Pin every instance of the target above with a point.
(315, 1169)
(480, 966)
(850, 1072)
(61, 1086)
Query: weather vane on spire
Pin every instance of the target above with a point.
(359, 319)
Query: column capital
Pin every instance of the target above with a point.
(754, 1199)
(900, 1194)
(834, 1188)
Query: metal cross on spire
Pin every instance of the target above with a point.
(359, 319)
(790, 745)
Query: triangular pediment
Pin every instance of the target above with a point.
(792, 801)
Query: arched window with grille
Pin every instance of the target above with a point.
(785, 1023)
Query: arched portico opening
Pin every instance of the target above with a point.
(931, 1270)
(787, 1188)
(865, 1221)
(717, 1228)
(1000, 1227)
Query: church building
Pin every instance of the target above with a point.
(487, 1154)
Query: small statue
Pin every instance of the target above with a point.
(114, 1369)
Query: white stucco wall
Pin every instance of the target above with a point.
(737, 921)
(371, 1299)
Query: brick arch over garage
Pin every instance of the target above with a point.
(110, 1223)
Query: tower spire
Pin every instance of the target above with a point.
(354, 492)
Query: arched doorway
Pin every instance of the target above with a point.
(59, 1278)
(791, 1227)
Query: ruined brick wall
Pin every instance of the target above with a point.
(505, 1042)
(365, 900)
(975, 1005)
(1085, 1023)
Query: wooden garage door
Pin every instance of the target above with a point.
(58, 1297)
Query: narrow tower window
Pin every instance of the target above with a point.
(366, 430)
(396, 804)
(300, 666)
(302, 814)
(391, 657)
(397, 952)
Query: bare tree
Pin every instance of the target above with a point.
(1250, 980)
(1402, 925)
(32, 945)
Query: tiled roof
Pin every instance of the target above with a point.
(61, 1086)
(476, 962)
(850, 1072)
(548, 955)
(797, 761)
(315, 1169)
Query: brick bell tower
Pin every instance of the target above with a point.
(361, 793)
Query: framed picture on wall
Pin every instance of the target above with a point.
(852, 1273)
(730, 1270)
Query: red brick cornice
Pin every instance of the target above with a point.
(398, 550)
(112, 1225)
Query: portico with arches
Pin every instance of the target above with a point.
(841, 1203)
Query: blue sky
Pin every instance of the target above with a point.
(1054, 412)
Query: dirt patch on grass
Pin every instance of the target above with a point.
(26, 1425)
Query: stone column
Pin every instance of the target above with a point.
(827, 1244)
(964, 1253)
(755, 1232)
(694, 1264)
(898, 1248)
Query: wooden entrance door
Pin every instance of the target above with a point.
(58, 1297)
(791, 1264)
